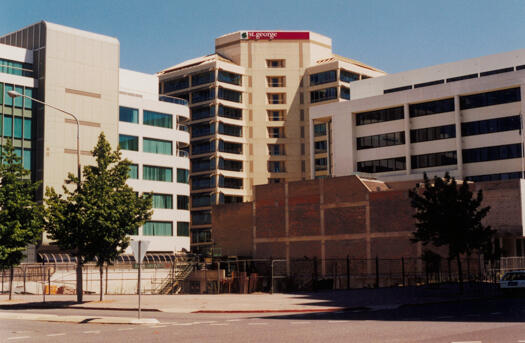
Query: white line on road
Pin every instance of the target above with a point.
(466, 342)
(233, 320)
(20, 337)
(220, 324)
(521, 341)
(125, 329)
(93, 332)
(158, 326)
(56, 334)
(299, 323)
(183, 324)
(257, 323)
(338, 321)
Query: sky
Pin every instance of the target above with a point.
(392, 35)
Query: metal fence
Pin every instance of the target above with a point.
(254, 275)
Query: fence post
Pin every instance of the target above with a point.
(44, 282)
(271, 288)
(48, 281)
(403, 270)
(347, 272)
(218, 277)
(24, 273)
(3, 275)
(314, 281)
(377, 272)
(449, 270)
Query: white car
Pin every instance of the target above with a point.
(514, 280)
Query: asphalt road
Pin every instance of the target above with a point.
(496, 320)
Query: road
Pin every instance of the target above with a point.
(496, 320)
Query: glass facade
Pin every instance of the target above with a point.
(378, 116)
(432, 133)
(431, 107)
(379, 141)
(490, 98)
(381, 166)
(154, 173)
(490, 126)
(434, 160)
(323, 77)
(16, 68)
(323, 94)
(157, 146)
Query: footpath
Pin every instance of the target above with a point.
(322, 301)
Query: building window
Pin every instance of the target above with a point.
(494, 177)
(18, 127)
(201, 147)
(432, 133)
(276, 149)
(490, 126)
(230, 199)
(201, 95)
(276, 132)
(345, 93)
(320, 147)
(163, 201)
(8, 126)
(230, 95)
(320, 130)
(153, 228)
(431, 107)
(154, 173)
(26, 159)
(202, 112)
(321, 164)
(200, 236)
(183, 229)
(272, 180)
(379, 141)
(234, 79)
(182, 175)
(463, 77)
(276, 167)
(126, 142)
(348, 76)
(27, 128)
(158, 119)
(397, 89)
(157, 146)
(202, 78)
(301, 115)
(202, 182)
(16, 68)
(133, 171)
(275, 81)
(183, 202)
(302, 131)
(490, 98)
(231, 165)
(381, 166)
(202, 164)
(492, 153)
(230, 130)
(176, 84)
(128, 115)
(323, 77)
(229, 147)
(434, 160)
(275, 115)
(323, 94)
(201, 200)
(202, 129)
(230, 182)
(378, 116)
(275, 63)
(276, 98)
(230, 112)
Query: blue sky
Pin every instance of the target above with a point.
(393, 35)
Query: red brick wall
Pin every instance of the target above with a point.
(344, 189)
(345, 220)
(303, 205)
(390, 212)
(269, 202)
(232, 229)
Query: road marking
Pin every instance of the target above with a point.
(521, 341)
(158, 326)
(206, 322)
(56, 334)
(257, 323)
(93, 332)
(184, 324)
(466, 342)
(125, 329)
(220, 324)
(299, 323)
(20, 337)
(233, 320)
(338, 321)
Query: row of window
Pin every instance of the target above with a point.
(151, 145)
(331, 76)
(155, 173)
(163, 228)
(207, 181)
(16, 68)
(323, 94)
(18, 102)
(494, 177)
(24, 154)
(492, 153)
(207, 164)
(208, 199)
(131, 115)
(165, 201)
(440, 106)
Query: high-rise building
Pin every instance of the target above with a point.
(249, 104)
(463, 117)
(78, 71)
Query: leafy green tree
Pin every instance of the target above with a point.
(21, 218)
(449, 215)
(95, 219)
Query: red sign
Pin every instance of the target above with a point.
(271, 35)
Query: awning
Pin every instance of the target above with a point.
(68, 258)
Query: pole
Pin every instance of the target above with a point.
(347, 272)
(272, 277)
(403, 270)
(218, 277)
(377, 272)
(140, 243)
(43, 282)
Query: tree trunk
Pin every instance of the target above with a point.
(11, 276)
(460, 274)
(80, 291)
(101, 268)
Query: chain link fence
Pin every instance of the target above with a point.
(254, 275)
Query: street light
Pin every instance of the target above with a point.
(14, 94)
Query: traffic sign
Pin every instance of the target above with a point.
(139, 251)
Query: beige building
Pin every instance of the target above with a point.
(249, 105)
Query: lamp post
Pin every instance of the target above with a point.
(14, 94)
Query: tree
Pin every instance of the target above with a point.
(95, 219)
(448, 215)
(21, 218)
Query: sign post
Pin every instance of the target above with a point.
(139, 249)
